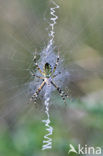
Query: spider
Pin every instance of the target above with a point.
(47, 75)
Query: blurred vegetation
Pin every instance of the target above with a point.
(79, 36)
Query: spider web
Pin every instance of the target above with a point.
(21, 32)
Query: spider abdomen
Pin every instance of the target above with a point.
(47, 70)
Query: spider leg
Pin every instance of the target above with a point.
(38, 76)
(34, 59)
(62, 94)
(56, 64)
(35, 95)
(56, 75)
(39, 69)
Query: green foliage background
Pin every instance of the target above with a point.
(79, 36)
